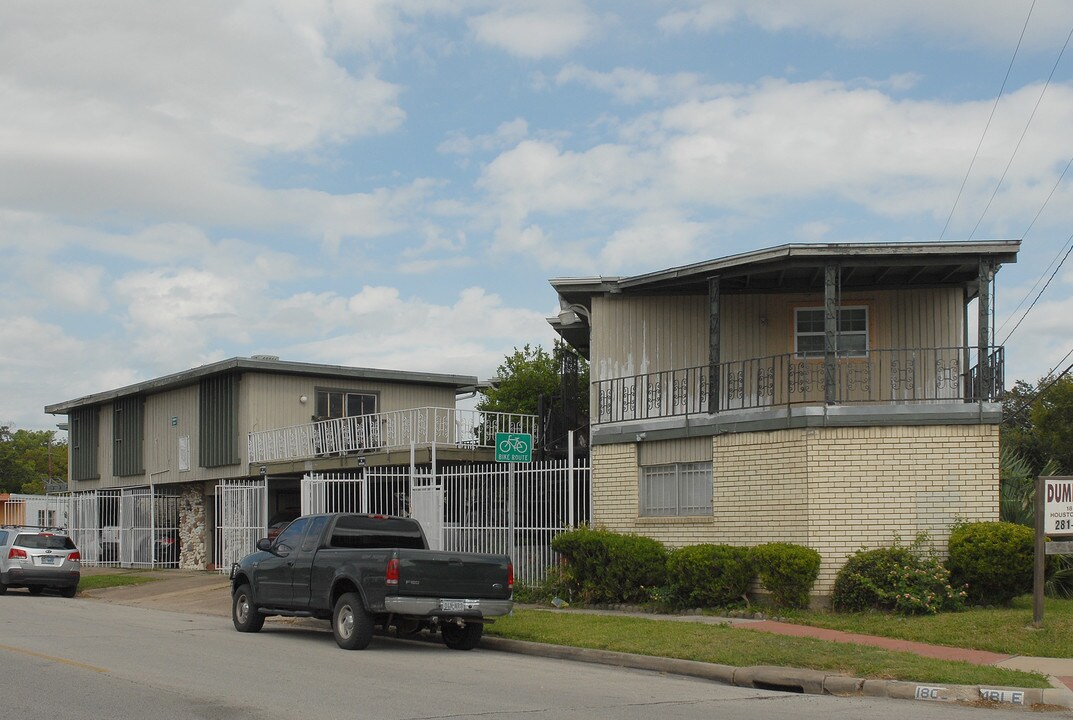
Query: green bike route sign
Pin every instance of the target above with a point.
(514, 447)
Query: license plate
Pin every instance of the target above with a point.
(458, 605)
(48, 560)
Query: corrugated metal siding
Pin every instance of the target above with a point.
(128, 436)
(673, 451)
(84, 438)
(218, 421)
(275, 400)
(639, 335)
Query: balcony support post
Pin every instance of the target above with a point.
(713, 345)
(830, 330)
(983, 339)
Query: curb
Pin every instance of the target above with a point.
(796, 680)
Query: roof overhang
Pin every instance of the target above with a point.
(274, 367)
(792, 269)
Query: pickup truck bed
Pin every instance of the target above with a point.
(367, 571)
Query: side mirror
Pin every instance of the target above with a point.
(264, 544)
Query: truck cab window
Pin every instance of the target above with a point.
(291, 537)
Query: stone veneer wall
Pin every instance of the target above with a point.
(193, 553)
(833, 489)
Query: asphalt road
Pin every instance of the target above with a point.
(82, 659)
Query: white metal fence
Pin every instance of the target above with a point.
(241, 519)
(472, 508)
(378, 431)
(132, 527)
(35, 510)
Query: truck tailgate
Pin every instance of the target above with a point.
(433, 573)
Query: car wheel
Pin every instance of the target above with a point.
(69, 592)
(35, 589)
(244, 613)
(351, 624)
(3, 588)
(465, 637)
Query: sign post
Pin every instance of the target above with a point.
(1054, 518)
(513, 448)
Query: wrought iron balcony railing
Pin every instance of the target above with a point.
(384, 431)
(921, 375)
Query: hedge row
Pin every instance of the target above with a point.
(606, 567)
(988, 563)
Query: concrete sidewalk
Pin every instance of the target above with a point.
(200, 592)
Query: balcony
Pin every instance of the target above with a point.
(893, 377)
(385, 431)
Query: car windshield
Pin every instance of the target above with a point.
(45, 542)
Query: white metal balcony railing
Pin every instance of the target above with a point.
(383, 431)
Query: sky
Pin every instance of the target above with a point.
(391, 184)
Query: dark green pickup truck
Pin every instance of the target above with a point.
(364, 571)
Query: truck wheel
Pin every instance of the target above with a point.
(465, 637)
(244, 613)
(351, 624)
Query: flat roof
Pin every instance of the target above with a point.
(263, 365)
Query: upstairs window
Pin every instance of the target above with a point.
(851, 338)
(341, 403)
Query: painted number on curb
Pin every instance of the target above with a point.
(929, 693)
(1014, 697)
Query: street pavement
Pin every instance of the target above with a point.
(208, 593)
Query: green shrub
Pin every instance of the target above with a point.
(993, 560)
(787, 571)
(906, 580)
(607, 567)
(709, 575)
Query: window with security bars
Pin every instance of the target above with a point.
(680, 489)
(851, 337)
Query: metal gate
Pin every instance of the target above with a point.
(148, 528)
(241, 519)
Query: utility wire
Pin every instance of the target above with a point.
(1036, 299)
(1023, 133)
(990, 117)
(1042, 389)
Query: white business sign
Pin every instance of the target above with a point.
(1058, 506)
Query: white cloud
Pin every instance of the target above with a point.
(505, 135)
(630, 85)
(984, 22)
(123, 119)
(535, 29)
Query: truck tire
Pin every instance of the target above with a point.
(351, 624)
(465, 637)
(244, 612)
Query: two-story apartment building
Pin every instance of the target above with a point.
(835, 396)
(149, 463)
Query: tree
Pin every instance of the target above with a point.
(527, 374)
(30, 457)
(1038, 423)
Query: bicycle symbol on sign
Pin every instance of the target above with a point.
(514, 444)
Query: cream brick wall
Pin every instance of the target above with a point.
(833, 489)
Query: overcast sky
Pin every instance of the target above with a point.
(391, 184)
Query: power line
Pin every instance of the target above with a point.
(1036, 299)
(1023, 133)
(990, 117)
(1039, 391)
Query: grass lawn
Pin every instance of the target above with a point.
(96, 582)
(732, 646)
(1002, 630)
